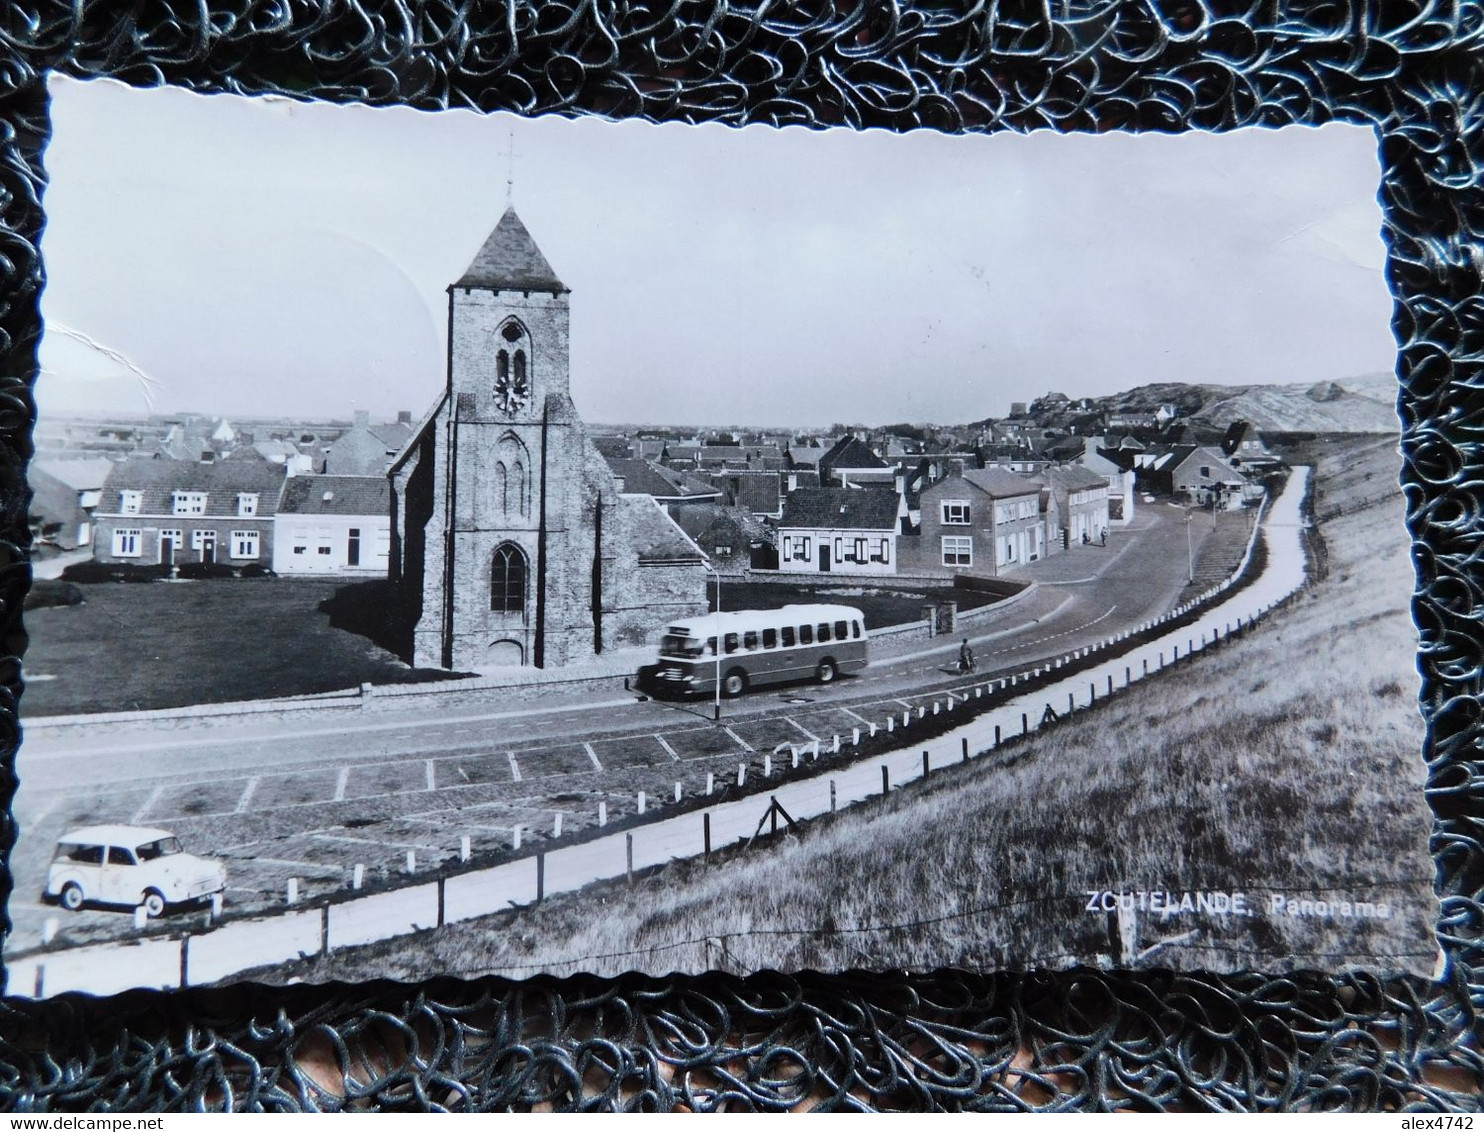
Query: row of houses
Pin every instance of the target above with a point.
(975, 521)
(153, 511)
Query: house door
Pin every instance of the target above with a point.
(167, 550)
(824, 558)
(208, 546)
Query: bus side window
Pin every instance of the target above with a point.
(731, 642)
(842, 631)
(824, 632)
(749, 640)
(788, 636)
(855, 629)
(710, 646)
(770, 638)
(806, 634)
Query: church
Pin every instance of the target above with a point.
(507, 525)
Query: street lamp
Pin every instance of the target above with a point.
(716, 644)
(1189, 549)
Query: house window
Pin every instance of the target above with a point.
(956, 511)
(958, 550)
(860, 550)
(508, 579)
(198, 538)
(300, 548)
(322, 549)
(1205, 471)
(244, 544)
(247, 503)
(188, 502)
(353, 547)
(126, 542)
(1009, 550)
(130, 502)
(1002, 513)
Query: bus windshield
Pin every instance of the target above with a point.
(672, 644)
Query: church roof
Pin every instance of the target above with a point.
(511, 261)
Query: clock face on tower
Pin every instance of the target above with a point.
(512, 392)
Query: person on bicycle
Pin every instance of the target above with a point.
(965, 657)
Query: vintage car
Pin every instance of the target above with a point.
(131, 866)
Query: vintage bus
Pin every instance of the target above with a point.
(758, 647)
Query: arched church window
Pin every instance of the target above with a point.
(502, 485)
(520, 368)
(517, 496)
(502, 366)
(508, 579)
(512, 332)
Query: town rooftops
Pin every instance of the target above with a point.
(851, 453)
(840, 508)
(156, 478)
(336, 495)
(641, 477)
(80, 475)
(511, 261)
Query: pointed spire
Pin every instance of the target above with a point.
(511, 261)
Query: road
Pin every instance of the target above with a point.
(309, 795)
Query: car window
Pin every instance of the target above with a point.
(119, 856)
(164, 847)
(83, 854)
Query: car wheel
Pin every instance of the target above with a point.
(735, 683)
(72, 897)
(154, 904)
(826, 671)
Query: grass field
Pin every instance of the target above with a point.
(1287, 761)
(162, 644)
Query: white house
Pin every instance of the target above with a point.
(333, 525)
(839, 530)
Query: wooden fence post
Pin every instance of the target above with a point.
(706, 833)
(965, 742)
(885, 780)
(628, 848)
(832, 795)
(540, 877)
(925, 767)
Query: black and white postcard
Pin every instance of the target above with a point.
(467, 544)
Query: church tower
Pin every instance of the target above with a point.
(506, 519)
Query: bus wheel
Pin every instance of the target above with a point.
(826, 671)
(735, 683)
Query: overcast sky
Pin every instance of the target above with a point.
(253, 257)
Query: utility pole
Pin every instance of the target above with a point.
(716, 645)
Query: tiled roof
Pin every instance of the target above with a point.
(1073, 478)
(642, 477)
(998, 483)
(80, 475)
(336, 495)
(840, 508)
(654, 535)
(157, 478)
(511, 261)
(851, 452)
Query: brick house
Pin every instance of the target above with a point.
(1081, 505)
(156, 511)
(979, 521)
(839, 530)
(333, 525)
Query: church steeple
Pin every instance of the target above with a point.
(511, 261)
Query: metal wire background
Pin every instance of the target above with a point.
(954, 1040)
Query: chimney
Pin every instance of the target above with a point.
(363, 418)
(404, 416)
